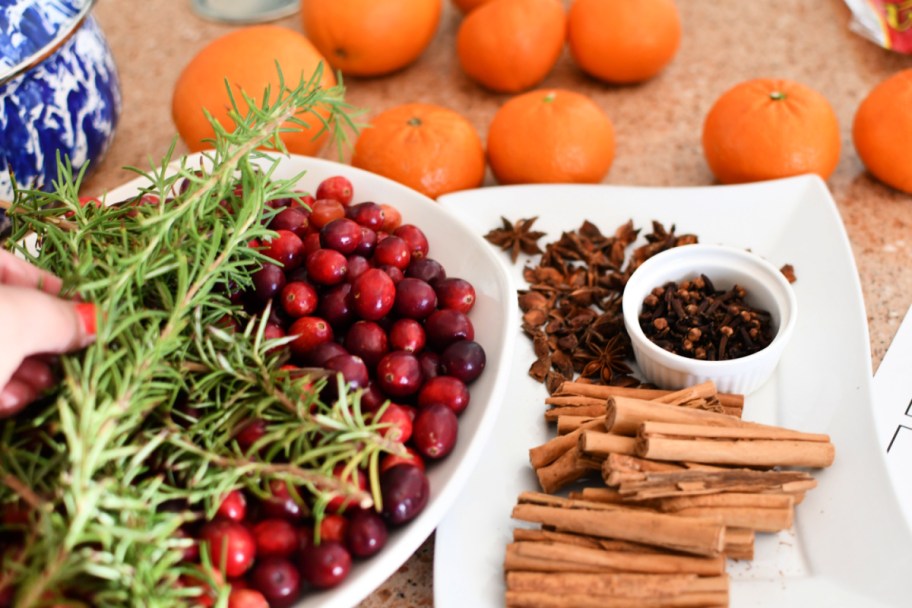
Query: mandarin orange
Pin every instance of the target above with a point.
(620, 41)
(511, 45)
(882, 130)
(246, 58)
(371, 38)
(424, 146)
(550, 136)
(467, 6)
(766, 129)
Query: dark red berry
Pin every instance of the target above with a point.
(366, 534)
(299, 299)
(367, 340)
(332, 527)
(337, 188)
(325, 210)
(357, 265)
(246, 598)
(405, 492)
(394, 273)
(326, 267)
(286, 248)
(415, 299)
(372, 398)
(325, 565)
(354, 371)
(369, 215)
(430, 364)
(407, 335)
(295, 219)
(399, 374)
(275, 538)
(321, 353)
(229, 543)
(464, 359)
(268, 281)
(428, 270)
(446, 390)
(311, 244)
(310, 332)
(337, 305)
(399, 421)
(278, 580)
(368, 242)
(233, 506)
(416, 239)
(374, 294)
(392, 251)
(249, 432)
(355, 478)
(443, 327)
(281, 503)
(411, 458)
(455, 293)
(342, 235)
(435, 431)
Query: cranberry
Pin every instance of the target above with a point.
(295, 219)
(435, 431)
(426, 269)
(372, 398)
(393, 251)
(190, 553)
(273, 331)
(278, 580)
(355, 478)
(366, 534)
(229, 541)
(311, 244)
(275, 538)
(325, 210)
(299, 299)
(337, 188)
(233, 506)
(246, 598)
(267, 282)
(332, 527)
(394, 273)
(249, 432)
(325, 565)
(446, 326)
(415, 299)
(399, 374)
(303, 200)
(392, 219)
(407, 335)
(417, 241)
(367, 340)
(354, 371)
(446, 390)
(405, 492)
(368, 242)
(430, 364)
(286, 248)
(464, 359)
(455, 293)
(281, 503)
(374, 294)
(369, 215)
(206, 580)
(397, 416)
(337, 305)
(321, 353)
(342, 235)
(310, 332)
(327, 267)
(411, 458)
(357, 265)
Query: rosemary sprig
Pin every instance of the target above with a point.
(139, 439)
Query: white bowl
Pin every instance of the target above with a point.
(495, 317)
(766, 289)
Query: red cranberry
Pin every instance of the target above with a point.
(367, 340)
(206, 580)
(455, 293)
(337, 305)
(399, 421)
(246, 598)
(310, 332)
(299, 299)
(366, 534)
(392, 251)
(392, 219)
(356, 478)
(357, 265)
(342, 235)
(405, 492)
(249, 432)
(294, 219)
(267, 282)
(304, 200)
(414, 236)
(394, 273)
(407, 335)
(233, 506)
(446, 390)
(275, 538)
(325, 565)
(372, 398)
(337, 188)
(286, 248)
(325, 210)
(446, 326)
(428, 270)
(369, 215)
(399, 374)
(415, 299)
(189, 554)
(281, 503)
(464, 359)
(321, 353)
(374, 294)
(311, 244)
(327, 267)
(278, 580)
(332, 527)
(435, 431)
(273, 331)
(412, 458)
(430, 364)
(229, 541)
(368, 242)
(354, 371)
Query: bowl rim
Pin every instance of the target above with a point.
(63, 35)
(788, 312)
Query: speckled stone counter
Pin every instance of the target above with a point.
(658, 126)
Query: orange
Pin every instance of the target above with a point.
(371, 37)
(882, 131)
(511, 45)
(247, 59)
(467, 6)
(766, 129)
(550, 136)
(623, 41)
(427, 147)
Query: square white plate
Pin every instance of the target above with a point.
(850, 545)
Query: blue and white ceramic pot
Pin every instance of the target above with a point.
(59, 91)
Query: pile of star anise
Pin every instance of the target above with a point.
(572, 308)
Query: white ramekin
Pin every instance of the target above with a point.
(766, 288)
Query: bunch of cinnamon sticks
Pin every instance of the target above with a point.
(685, 483)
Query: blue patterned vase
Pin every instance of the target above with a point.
(59, 91)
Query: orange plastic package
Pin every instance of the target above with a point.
(887, 23)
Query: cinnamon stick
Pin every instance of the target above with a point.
(590, 411)
(559, 557)
(597, 443)
(624, 415)
(568, 424)
(553, 449)
(566, 469)
(684, 482)
(599, 391)
(538, 599)
(739, 543)
(721, 432)
(628, 585)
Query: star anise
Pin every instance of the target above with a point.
(603, 361)
(516, 238)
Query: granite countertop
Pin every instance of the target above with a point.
(658, 126)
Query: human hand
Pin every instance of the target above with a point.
(33, 323)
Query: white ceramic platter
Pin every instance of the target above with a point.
(850, 545)
(463, 254)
